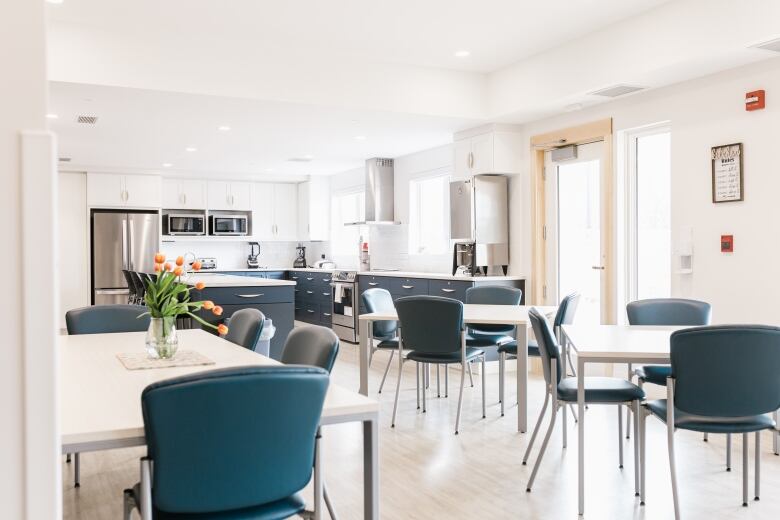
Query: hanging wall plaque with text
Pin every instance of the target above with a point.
(727, 181)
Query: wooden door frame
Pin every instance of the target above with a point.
(600, 130)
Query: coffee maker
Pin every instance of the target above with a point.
(464, 259)
(251, 260)
(300, 256)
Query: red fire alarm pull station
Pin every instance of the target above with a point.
(727, 243)
(755, 100)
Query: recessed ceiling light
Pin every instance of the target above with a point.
(359, 138)
(462, 54)
(52, 116)
(167, 165)
(224, 128)
(190, 149)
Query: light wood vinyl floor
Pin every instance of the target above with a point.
(427, 472)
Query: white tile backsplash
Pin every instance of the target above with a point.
(232, 255)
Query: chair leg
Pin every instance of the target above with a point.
(328, 503)
(574, 413)
(129, 503)
(728, 452)
(77, 470)
(471, 376)
(706, 437)
(395, 404)
(501, 368)
(636, 447)
(446, 380)
(564, 425)
(757, 483)
(438, 383)
(536, 428)
(628, 415)
(744, 469)
(776, 436)
(460, 396)
(673, 470)
(544, 447)
(387, 369)
(426, 369)
(642, 454)
(67, 458)
(417, 375)
(484, 414)
(620, 436)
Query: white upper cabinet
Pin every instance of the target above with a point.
(115, 190)
(492, 152)
(229, 196)
(183, 194)
(275, 213)
(314, 209)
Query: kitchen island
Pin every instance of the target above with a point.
(274, 298)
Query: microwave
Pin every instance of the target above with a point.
(184, 224)
(227, 225)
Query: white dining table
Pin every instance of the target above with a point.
(101, 399)
(473, 314)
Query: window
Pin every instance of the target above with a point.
(429, 208)
(650, 272)
(346, 207)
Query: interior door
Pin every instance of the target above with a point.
(575, 232)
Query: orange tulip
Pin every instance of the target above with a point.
(180, 261)
(222, 329)
(217, 310)
(196, 265)
(200, 286)
(208, 305)
(159, 258)
(178, 271)
(157, 268)
(168, 266)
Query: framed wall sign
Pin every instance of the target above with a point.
(727, 181)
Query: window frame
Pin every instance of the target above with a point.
(339, 223)
(414, 235)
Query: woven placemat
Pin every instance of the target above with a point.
(183, 358)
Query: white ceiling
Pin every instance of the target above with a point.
(140, 130)
(423, 33)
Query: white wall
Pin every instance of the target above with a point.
(73, 246)
(705, 112)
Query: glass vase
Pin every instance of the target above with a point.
(162, 342)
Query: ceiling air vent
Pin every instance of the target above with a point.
(87, 120)
(770, 45)
(64, 159)
(616, 90)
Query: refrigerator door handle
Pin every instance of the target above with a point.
(112, 291)
(130, 245)
(125, 256)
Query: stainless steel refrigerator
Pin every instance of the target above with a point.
(121, 240)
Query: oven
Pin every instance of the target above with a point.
(227, 225)
(184, 224)
(345, 305)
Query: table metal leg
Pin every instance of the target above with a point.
(364, 352)
(371, 469)
(581, 435)
(521, 332)
(318, 488)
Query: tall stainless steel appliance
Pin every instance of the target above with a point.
(479, 218)
(344, 305)
(121, 240)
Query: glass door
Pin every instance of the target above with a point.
(574, 232)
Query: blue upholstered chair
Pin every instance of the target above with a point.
(563, 390)
(219, 448)
(311, 345)
(563, 316)
(244, 327)
(385, 332)
(103, 319)
(724, 379)
(432, 330)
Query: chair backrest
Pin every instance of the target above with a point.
(130, 283)
(548, 347)
(430, 324)
(232, 438)
(102, 319)
(138, 283)
(726, 371)
(380, 300)
(245, 327)
(668, 311)
(493, 295)
(311, 345)
(566, 310)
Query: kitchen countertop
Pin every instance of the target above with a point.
(212, 279)
(269, 270)
(397, 274)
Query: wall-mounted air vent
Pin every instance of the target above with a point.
(64, 159)
(770, 45)
(300, 159)
(87, 120)
(616, 90)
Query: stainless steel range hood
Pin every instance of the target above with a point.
(380, 199)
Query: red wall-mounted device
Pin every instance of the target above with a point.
(755, 100)
(727, 243)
